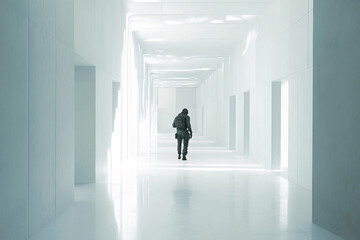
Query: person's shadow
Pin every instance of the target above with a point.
(182, 197)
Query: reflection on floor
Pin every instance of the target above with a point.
(214, 195)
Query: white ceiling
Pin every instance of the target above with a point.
(184, 42)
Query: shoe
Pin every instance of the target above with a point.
(179, 157)
(184, 158)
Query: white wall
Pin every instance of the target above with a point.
(210, 96)
(37, 84)
(135, 110)
(143, 101)
(37, 46)
(260, 124)
(51, 140)
(98, 33)
(65, 104)
(283, 53)
(42, 53)
(109, 38)
(85, 32)
(336, 133)
(279, 49)
(103, 39)
(14, 118)
(296, 67)
(300, 128)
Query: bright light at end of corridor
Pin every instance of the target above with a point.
(154, 40)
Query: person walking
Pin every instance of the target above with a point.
(183, 132)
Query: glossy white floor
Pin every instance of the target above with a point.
(213, 195)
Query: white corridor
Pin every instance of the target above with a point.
(214, 195)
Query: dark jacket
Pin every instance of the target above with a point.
(185, 131)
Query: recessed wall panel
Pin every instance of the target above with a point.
(246, 123)
(276, 125)
(85, 125)
(232, 122)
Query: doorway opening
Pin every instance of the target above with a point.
(284, 125)
(202, 121)
(232, 123)
(246, 122)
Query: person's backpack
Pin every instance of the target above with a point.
(179, 122)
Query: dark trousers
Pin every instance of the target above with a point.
(180, 139)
